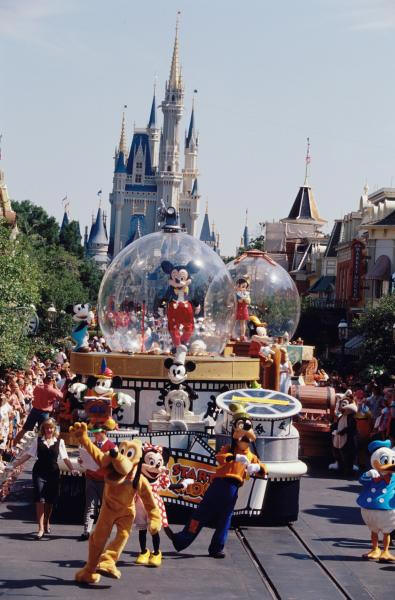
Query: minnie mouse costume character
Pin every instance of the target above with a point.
(153, 467)
(180, 310)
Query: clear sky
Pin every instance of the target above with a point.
(268, 74)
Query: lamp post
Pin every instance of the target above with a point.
(51, 313)
(342, 330)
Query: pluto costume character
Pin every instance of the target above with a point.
(118, 507)
(377, 500)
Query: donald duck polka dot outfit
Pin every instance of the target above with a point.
(377, 500)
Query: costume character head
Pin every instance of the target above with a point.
(382, 456)
(179, 275)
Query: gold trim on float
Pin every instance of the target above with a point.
(143, 366)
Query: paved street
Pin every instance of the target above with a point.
(317, 558)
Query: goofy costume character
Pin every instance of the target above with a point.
(180, 310)
(236, 463)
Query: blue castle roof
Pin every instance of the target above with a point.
(152, 117)
(205, 234)
(140, 139)
(65, 221)
(120, 166)
(98, 233)
(191, 130)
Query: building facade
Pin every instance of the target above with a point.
(151, 170)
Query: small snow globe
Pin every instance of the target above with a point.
(165, 290)
(266, 291)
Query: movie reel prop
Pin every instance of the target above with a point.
(271, 412)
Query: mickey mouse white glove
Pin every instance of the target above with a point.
(186, 482)
(241, 458)
(253, 468)
(373, 473)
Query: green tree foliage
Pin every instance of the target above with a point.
(20, 280)
(376, 325)
(70, 238)
(42, 268)
(34, 222)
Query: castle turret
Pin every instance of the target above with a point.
(191, 154)
(153, 134)
(97, 245)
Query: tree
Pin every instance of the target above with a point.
(376, 326)
(34, 222)
(20, 280)
(70, 238)
(40, 268)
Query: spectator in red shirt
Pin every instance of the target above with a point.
(44, 398)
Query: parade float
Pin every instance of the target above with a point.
(168, 309)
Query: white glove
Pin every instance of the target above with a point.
(373, 473)
(253, 468)
(186, 482)
(241, 458)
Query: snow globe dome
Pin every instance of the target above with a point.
(140, 311)
(274, 298)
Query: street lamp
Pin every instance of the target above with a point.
(51, 313)
(342, 331)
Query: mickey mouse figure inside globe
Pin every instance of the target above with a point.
(180, 309)
(377, 500)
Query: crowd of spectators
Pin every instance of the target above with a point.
(23, 396)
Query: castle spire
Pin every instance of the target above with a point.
(175, 71)
(152, 116)
(122, 139)
(191, 137)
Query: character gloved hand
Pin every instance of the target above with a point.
(241, 458)
(78, 429)
(253, 468)
(187, 482)
(373, 474)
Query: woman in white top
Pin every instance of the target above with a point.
(46, 448)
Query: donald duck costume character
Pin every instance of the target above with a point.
(377, 500)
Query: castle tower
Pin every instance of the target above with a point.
(152, 172)
(170, 176)
(97, 245)
(153, 134)
(191, 154)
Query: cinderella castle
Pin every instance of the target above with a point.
(151, 170)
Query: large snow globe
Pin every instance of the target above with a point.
(264, 290)
(164, 290)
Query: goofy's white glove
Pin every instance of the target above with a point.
(253, 468)
(186, 482)
(241, 458)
